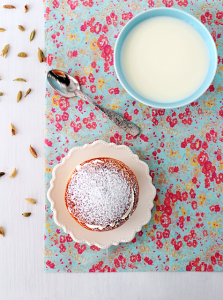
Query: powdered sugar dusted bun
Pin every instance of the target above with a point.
(101, 194)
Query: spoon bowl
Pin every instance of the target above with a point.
(67, 86)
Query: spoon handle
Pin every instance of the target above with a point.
(120, 121)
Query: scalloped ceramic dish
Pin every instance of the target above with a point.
(124, 233)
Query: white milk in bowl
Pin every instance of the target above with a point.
(164, 59)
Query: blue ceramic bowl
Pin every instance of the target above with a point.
(171, 12)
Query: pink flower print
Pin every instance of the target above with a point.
(151, 3)
(81, 249)
(75, 53)
(105, 29)
(58, 126)
(125, 16)
(83, 27)
(91, 78)
(73, 5)
(94, 64)
(48, 143)
(148, 261)
(53, 36)
(61, 27)
(83, 80)
(48, 10)
(50, 59)
(93, 89)
(50, 264)
(62, 239)
(102, 42)
(97, 28)
(65, 116)
(107, 50)
(108, 20)
(127, 116)
(94, 125)
(62, 248)
(64, 103)
(72, 124)
(58, 118)
(56, 4)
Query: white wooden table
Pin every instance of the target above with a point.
(21, 250)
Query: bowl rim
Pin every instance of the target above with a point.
(163, 105)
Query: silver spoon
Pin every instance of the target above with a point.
(68, 86)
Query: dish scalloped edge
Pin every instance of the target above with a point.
(139, 227)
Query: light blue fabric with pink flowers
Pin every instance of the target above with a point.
(183, 147)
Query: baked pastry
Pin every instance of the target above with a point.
(101, 194)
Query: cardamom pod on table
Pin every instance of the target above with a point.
(33, 151)
(30, 200)
(32, 35)
(9, 6)
(22, 54)
(2, 232)
(2, 174)
(12, 129)
(26, 8)
(19, 96)
(21, 28)
(19, 79)
(28, 92)
(5, 51)
(14, 172)
(2, 29)
(1, 94)
(26, 214)
(41, 55)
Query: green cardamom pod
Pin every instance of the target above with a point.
(28, 92)
(1, 94)
(5, 51)
(26, 214)
(21, 28)
(19, 79)
(32, 35)
(19, 96)
(2, 29)
(22, 54)
(41, 55)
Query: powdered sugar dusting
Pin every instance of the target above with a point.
(100, 192)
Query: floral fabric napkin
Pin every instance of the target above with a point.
(183, 147)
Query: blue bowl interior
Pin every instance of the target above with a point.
(179, 15)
